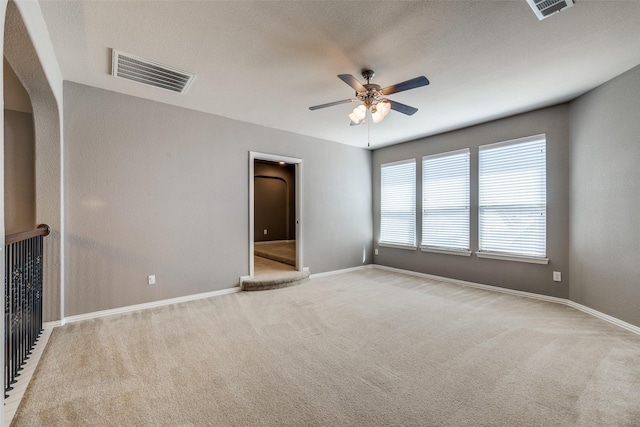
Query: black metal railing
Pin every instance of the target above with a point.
(22, 300)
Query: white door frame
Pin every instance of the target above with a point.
(253, 155)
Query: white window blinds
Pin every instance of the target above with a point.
(398, 203)
(445, 201)
(513, 197)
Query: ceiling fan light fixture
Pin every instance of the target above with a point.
(377, 115)
(384, 108)
(358, 114)
(373, 97)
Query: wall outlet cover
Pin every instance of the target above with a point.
(557, 276)
(151, 279)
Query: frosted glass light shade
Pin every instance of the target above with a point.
(358, 114)
(384, 108)
(360, 111)
(377, 116)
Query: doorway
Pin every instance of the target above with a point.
(275, 235)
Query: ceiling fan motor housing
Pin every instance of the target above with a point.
(371, 95)
(368, 75)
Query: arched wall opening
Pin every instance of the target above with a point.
(45, 92)
(19, 156)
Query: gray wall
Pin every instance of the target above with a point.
(274, 201)
(156, 189)
(605, 198)
(19, 172)
(509, 274)
(16, 97)
(19, 155)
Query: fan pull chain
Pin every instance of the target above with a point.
(368, 133)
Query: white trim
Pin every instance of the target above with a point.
(400, 162)
(63, 232)
(517, 258)
(595, 313)
(299, 185)
(397, 246)
(474, 285)
(53, 324)
(613, 320)
(344, 270)
(514, 141)
(572, 304)
(144, 306)
(447, 153)
(446, 251)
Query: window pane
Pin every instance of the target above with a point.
(445, 204)
(398, 203)
(513, 197)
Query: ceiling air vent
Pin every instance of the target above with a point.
(150, 73)
(545, 8)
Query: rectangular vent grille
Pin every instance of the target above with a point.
(545, 8)
(151, 73)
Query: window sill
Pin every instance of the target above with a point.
(517, 258)
(445, 251)
(397, 246)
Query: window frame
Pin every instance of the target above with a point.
(424, 246)
(514, 255)
(411, 205)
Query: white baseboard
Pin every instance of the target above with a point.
(344, 270)
(563, 301)
(147, 305)
(52, 324)
(474, 285)
(605, 317)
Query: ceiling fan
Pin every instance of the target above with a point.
(374, 99)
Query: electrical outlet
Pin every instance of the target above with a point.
(265, 231)
(557, 276)
(151, 279)
(376, 251)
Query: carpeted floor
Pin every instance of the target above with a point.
(278, 250)
(367, 348)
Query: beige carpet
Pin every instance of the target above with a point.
(278, 250)
(368, 348)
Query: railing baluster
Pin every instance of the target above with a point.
(22, 300)
(7, 320)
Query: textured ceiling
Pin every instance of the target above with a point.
(267, 62)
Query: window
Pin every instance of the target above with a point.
(513, 198)
(445, 202)
(398, 203)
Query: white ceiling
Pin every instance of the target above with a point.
(266, 62)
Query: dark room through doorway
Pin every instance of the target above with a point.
(274, 216)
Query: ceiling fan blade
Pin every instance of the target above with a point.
(353, 82)
(402, 108)
(331, 104)
(409, 84)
